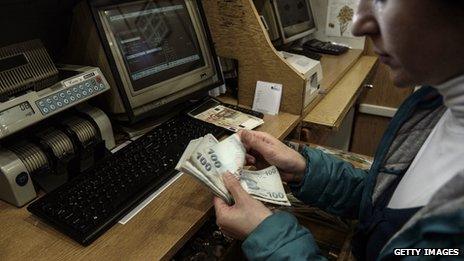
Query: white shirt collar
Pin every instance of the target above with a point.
(453, 96)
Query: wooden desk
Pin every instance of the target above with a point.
(160, 229)
(157, 232)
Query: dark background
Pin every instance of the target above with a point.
(47, 20)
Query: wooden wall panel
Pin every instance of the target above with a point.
(367, 132)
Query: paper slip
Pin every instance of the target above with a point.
(267, 97)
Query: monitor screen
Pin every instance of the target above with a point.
(295, 17)
(156, 40)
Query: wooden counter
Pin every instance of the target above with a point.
(331, 110)
(157, 232)
(163, 226)
(334, 67)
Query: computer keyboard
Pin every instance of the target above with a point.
(325, 47)
(307, 53)
(87, 206)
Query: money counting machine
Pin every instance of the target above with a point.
(47, 134)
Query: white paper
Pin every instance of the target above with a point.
(267, 97)
(340, 17)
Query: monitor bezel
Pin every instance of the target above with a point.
(133, 99)
(285, 39)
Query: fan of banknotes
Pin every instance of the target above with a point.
(207, 159)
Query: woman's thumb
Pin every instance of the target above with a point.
(234, 187)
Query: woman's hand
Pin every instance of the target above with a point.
(264, 150)
(240, 219)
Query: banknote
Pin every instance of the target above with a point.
(207, 160)
(187, 152)
(230, 119)
(190, 169)
(228, 155)
(264, 185)
(201, 161)
(186, 167)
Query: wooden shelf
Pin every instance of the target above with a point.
(334, 67)
(331, 110)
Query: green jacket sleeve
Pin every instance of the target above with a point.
(331, 184)
(280, 237)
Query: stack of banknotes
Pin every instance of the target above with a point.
(207, 159)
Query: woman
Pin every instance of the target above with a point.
(413, 195)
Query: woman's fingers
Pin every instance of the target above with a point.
(255, 140)
(234, 187)
(250, 159)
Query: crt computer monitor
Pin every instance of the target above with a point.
(294, 18)
(160, 53)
